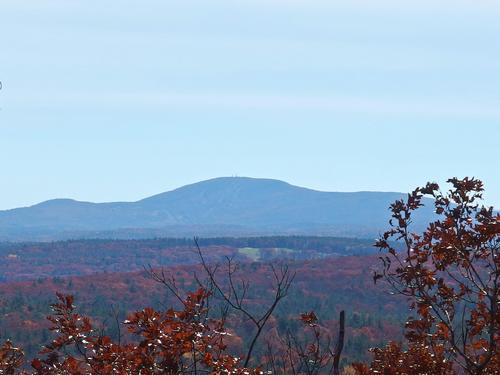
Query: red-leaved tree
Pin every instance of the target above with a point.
(450, 273)
(182, 341)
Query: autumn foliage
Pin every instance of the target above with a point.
(449, 274)
(171, 342)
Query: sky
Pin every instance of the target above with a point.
(119, 100)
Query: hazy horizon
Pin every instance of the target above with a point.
(120, 100)
(215, 178)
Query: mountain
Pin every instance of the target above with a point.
(221, 206)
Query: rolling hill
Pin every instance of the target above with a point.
(231, 206)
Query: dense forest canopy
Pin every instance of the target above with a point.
(21, 261)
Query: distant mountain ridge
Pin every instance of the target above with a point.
(216, 207)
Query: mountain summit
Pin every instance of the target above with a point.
(220, 206)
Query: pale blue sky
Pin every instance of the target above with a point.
(118, 100)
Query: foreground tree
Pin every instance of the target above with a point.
(450, 273)
(311, 354)
(182, 341)
(11, 358)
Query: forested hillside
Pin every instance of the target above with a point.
(21, 261)
(323, 285)
(303, 305)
